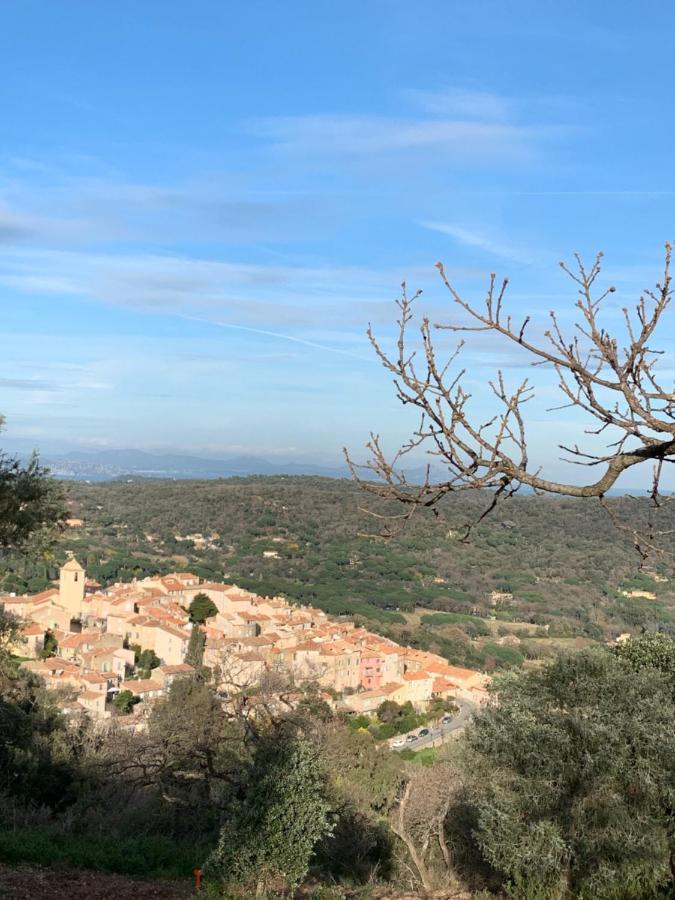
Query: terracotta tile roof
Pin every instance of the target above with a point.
(368, 653)
(214, 633)
(172, 585)
(181, 668)
(417, 676)
(307, 646)
(142, 686)
(90, 695)
(43, 595)
(459, 673)
(161, 626)
(437, 668)
(94, 678)
(442, 684)
(260, 641)
(383, 691)
(73, 641)
(53, 664)
(338, 648)
(389, 651)
(102, 651)
(159, 612)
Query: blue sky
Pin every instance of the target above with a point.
(203, 205)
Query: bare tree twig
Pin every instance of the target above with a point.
(613, 382)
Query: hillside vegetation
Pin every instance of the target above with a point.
(565, 566)
(538, 798)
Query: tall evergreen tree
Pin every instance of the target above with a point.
(202, 608)
(195, 650)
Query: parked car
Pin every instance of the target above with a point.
(411, 738)
(399, 742)
(424, 732)
(446, 720)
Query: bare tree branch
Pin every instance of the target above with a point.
(614, 382)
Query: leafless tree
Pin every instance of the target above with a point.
(256, 698)
(185, 737)
(614, 381)
(418, 819)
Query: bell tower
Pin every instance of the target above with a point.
(71, 587)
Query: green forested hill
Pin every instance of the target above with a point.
(562, 559)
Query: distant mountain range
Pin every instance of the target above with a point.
(106, 465)
(110, 465)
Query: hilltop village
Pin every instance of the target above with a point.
(94, 636)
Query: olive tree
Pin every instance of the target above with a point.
(571, 777)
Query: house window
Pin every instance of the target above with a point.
(76, 575)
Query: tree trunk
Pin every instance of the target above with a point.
(444, 847)
(399, 830)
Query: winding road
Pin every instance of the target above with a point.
(438, 734)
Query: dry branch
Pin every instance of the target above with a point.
(614, 381)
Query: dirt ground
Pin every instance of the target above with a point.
(44, 883)
(36, 883)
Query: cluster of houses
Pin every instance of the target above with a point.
(94, 629)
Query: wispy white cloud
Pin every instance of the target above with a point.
(59, 207)
(461, 103)
(147, 278)
(273, 299)
(19, 224)
(27, 384)
(465, 142)
(46, 386)
(451, 126)
(481, 241)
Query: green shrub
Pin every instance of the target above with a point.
(507, 655)
(149, 857)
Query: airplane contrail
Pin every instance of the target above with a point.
(278, 334)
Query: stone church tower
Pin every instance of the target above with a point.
(71, 587)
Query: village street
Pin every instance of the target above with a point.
(438, 733)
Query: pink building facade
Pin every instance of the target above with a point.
(371, 671)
